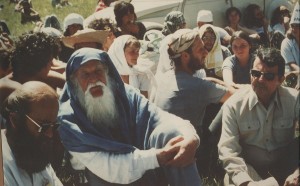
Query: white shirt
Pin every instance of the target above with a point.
(15, 176)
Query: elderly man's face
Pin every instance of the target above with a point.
(91, 73)
(265, 87)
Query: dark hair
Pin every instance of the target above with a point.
(32, 52)
(271, 57)
(121, 9)
(240, 34)
(233, 9)
(5, 59)
(249, 18)
(102, 24)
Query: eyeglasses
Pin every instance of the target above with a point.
(267, 75)
(206, 38)
(45, 126)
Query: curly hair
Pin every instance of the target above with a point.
(32, 53)
(102, 24)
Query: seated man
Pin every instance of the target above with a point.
(258, 140)
(31, 60)
(27, 142)
(116, 134)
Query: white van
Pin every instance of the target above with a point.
(152, 12)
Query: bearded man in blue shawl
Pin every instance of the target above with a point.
(116, 135)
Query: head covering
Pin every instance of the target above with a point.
(214, 58)
(71, 19)
(296, 15)
(85, 35)
(181, 40)
(52, 32)
(205, 16)
(77, 132)
(173, 22)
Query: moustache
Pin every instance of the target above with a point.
(260, 85)
(92, 85)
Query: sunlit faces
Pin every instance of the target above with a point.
(209, 39)
(197, 55)
(262, 86)
(131, 53)
(90, 73)
(240, 48)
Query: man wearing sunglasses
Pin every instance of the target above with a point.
(258, 144)
(27, 142)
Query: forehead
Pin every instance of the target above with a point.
(90, 65)
(259, 65)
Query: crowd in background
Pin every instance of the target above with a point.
(153, 62)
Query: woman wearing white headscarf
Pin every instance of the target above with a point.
(124, 53)
(216, 52)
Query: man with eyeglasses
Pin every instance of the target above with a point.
(258, 144)
(27, 142)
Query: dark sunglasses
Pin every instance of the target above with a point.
(267, 75)
(45, 126)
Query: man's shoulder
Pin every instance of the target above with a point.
(239, 96)
(288, 93)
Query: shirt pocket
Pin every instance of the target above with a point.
(249, 128)
(283, 130)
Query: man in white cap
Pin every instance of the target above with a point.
(206, 17)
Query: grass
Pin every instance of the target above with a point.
(44, 8)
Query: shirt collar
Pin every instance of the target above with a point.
(253, 99)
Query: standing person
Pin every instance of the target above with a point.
(258, 144)
(216, 52)
(116, 134)
(27, 141)
(236, 68)
(126, 63)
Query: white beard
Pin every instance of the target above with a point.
(102, 110)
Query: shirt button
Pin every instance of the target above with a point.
(249, 127)
(266, 120)
(267, 139)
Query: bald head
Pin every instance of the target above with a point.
(32, 92)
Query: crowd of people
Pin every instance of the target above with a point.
(103, 101)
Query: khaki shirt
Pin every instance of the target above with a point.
(246, 122)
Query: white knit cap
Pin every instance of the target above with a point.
(295, 19)
(71, 19)
(205, 16)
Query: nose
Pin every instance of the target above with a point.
(49, 133)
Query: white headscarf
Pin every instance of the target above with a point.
(214, 59)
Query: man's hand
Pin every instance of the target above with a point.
(293, 179)
(179, 151)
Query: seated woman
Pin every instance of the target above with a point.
(126, 63)
(236, 68)
(28, 14)
(216, 52)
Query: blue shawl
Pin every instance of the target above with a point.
(138, 117)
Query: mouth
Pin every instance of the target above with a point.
(96, 91)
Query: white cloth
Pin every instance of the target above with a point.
(118, 168)
(13, 175)
(140, 76)
(214, 59)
